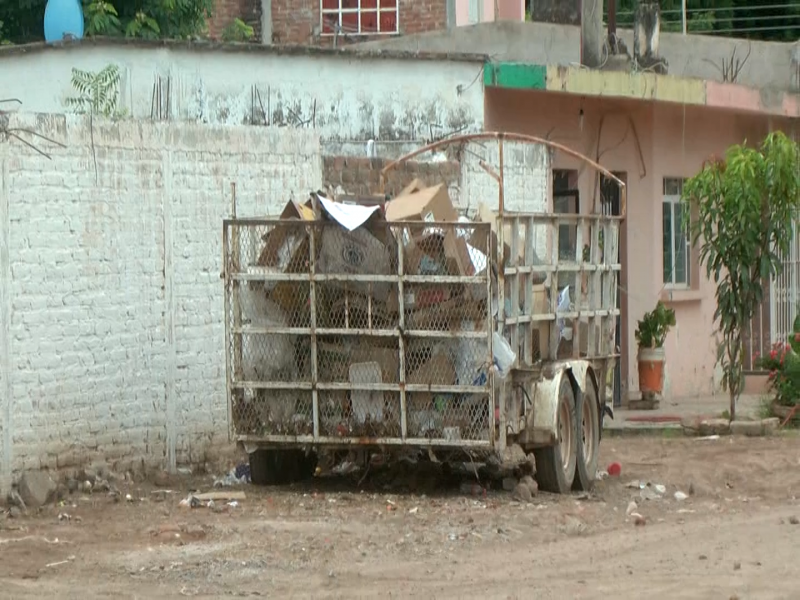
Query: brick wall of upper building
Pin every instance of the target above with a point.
(225, 11)
(300, 22)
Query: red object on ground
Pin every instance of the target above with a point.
(615, 469)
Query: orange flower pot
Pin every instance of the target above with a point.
(651, 370)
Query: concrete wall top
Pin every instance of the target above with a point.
(371, 95)
(769, 64)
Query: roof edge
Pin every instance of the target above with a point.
(247, 48)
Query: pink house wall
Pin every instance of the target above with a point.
(507, 10)
(674, 142)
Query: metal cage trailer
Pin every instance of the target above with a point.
(449, 336)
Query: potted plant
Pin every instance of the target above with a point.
(651, 333)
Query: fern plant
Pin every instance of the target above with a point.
(98, 93)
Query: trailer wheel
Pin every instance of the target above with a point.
(588, 412)
(262, 467)
(281, 467)
(555, 465)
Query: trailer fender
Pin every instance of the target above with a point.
(542, 422)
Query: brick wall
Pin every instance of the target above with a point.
(298, 21)
(361, 176)
(526, 172)
(225, 11)
(111, 304)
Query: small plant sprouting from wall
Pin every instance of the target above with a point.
(98, 94)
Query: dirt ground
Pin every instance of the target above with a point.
(734, 536)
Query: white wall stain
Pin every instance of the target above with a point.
(344, 98)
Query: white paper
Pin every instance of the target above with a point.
(349, 216)
(479, 260)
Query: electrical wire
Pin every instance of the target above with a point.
(678, 11)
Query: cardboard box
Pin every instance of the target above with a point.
(281, 244)
(335, 359)
(438, 370)
(413, 187)
(355, 252)
(419, 298)
(432, 205)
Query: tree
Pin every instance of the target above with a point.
(149, 19)
(745, 208)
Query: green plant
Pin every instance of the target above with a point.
(237, 31)
(143, 26)
(101, 18)
(98, 93)
(745, 206)
(652, 330)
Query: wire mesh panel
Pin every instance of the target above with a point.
(546, 320)
(376, 335)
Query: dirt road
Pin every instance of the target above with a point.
(735, 536)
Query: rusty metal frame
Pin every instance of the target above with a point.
(551, 270)
(496, 395)
(501, 136)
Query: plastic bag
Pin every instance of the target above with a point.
(504, 356)
(564, 306)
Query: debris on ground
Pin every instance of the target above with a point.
(614, 469)
(36, 488)
(239, 475)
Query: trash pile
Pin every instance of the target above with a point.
(357, 309)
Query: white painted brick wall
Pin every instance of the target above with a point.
(111, 330)
(526, 178)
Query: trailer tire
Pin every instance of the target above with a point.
(281, 467)
(556, 464)
(262, 467)
(588, 419)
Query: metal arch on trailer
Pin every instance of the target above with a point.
(500, 136)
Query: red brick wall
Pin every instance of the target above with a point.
(361, 176)
(225, 11)
(298, 21)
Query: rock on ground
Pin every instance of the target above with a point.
(530, 483)
(36, 488)
(522, 493)
(755, 428)
(704, 426)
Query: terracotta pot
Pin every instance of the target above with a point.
(651, 370)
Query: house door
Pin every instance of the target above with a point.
(611, 204)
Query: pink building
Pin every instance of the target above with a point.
(470, 12)
(654, 131)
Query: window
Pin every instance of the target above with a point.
(358, 17)
(676, 247)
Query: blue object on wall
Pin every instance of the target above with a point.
(63, 18)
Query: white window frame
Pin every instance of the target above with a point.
(674, 200)
(338, 12)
